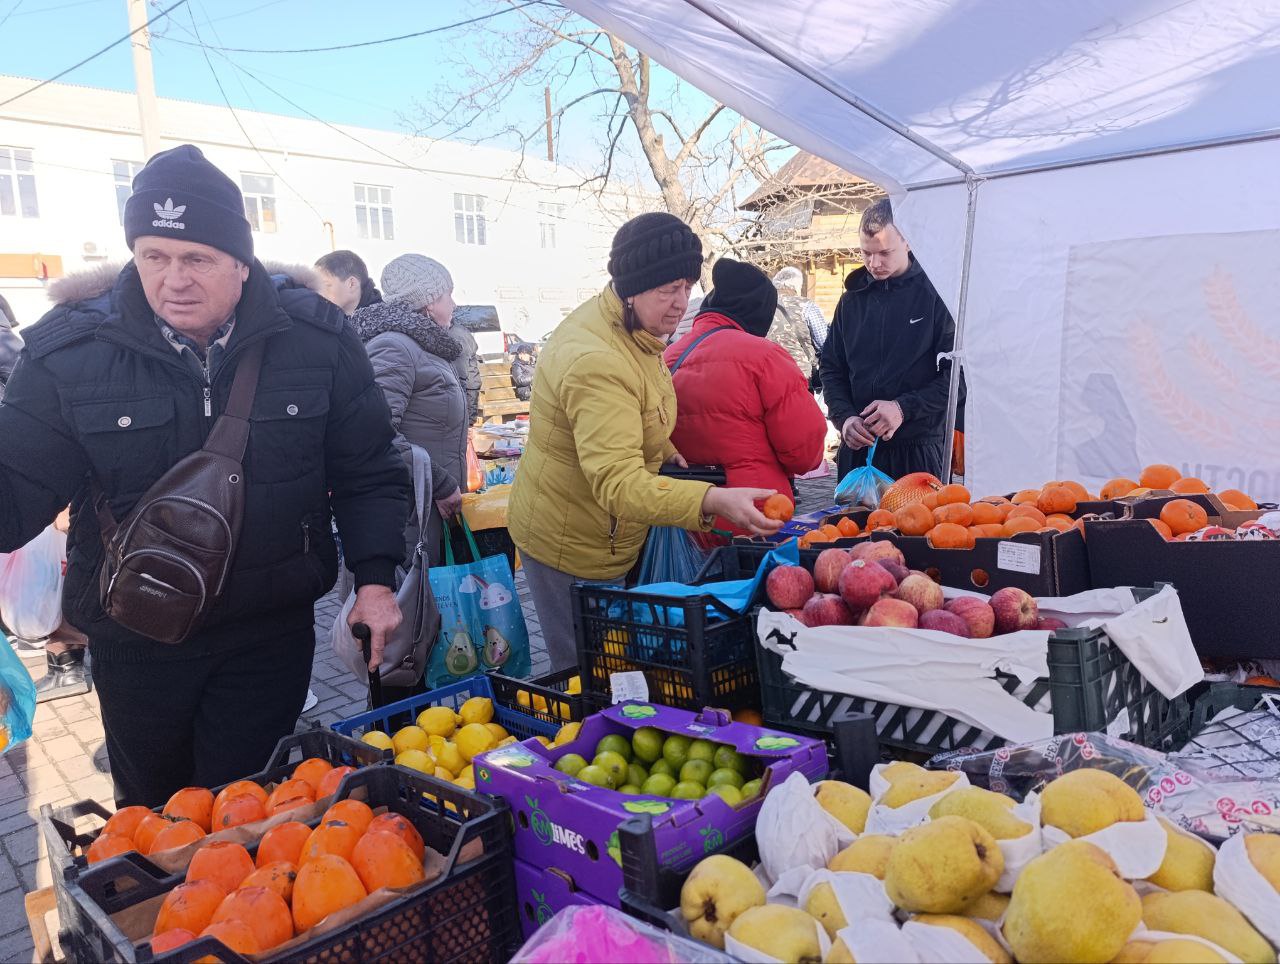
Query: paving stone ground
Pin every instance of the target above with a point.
(65, 761)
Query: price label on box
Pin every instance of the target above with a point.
(1018, 557)
(629, 686)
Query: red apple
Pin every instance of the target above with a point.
(891, 612)
(1014, 610)
(789, 587)
(797, 614)
(1050, 623)
(895, 569)
(862, 583)
(921, 591)
(977, 614)
(827, 609)
(875, 551)
(827, 569)
(944, 622)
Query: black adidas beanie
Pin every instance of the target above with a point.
(653, 250)
(180, 195)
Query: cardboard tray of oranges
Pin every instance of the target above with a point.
(402, 867)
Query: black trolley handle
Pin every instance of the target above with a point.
(362, 632)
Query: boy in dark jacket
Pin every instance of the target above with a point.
(881, 376)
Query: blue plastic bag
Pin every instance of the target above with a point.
(864, 486)
(17, 698)
(670, 555)
(481, 623)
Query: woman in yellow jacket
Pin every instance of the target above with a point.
(601, 416)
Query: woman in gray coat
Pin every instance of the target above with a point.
(413, 363)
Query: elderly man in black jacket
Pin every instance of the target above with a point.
(119, 383)
(881, 375)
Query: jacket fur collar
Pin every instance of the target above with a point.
(396, 316)
(98, 280)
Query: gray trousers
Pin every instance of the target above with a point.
(551, 600)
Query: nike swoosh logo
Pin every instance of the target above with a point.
(914, 320)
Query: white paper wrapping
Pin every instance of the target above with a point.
(861, 896)
(749, 955)
(1237, 881)
(878, 942)
(1136, 846)
(894, 820)
(792, 829)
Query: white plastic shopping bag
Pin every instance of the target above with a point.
(31, 585)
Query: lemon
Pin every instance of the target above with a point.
(377, 738)
(562, 710)
(409, 738)
(543, 740)
(468, 772)
(438, 743)
(498, 732)
(522, 698)
(508, 741)
(472, 740)
(539, 703)
(478, 709)
(449, 758)
(465, 783)
(567, 733)
(443, 774)
(416, 760)
(437, 720)
(575, 686)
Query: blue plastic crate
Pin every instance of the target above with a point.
(520, 725)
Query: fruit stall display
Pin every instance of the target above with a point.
(701, 776)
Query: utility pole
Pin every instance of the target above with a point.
(546, 96)
(144, 78)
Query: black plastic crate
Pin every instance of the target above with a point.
(545, 698)
(694, 651)
(467, 914)
(1091, 686)
(1220, 696)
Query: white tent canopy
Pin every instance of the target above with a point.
(1115, 165)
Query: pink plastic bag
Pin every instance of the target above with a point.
(587, 934)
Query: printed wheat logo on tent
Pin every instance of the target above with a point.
(167, 216)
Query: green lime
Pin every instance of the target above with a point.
(688, 790)
(613, 764)
(596, 775)
(751, 789)
(725, 776)
(615, 743)
(726, 792)
(630, 789)
(570, 763)
(727, 758)
(702, 750)
(675, 750)
(646, 743)
(663, 767)
(695, 771)
(658, 785)
(637, 774)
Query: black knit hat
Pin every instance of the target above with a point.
(744, 293)
(653, 250)
(181, 195)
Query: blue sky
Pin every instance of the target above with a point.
(373, 86)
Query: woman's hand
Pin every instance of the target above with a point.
(450, 505)
(676, 459)
(739, 507)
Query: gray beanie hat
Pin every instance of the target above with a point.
(415, 280)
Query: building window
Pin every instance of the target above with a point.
(549, 214)
(17, 183)
(468, 219)
(123, 172)
(373, 212)
(259, 201)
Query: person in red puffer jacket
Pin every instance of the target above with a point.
(741, 402)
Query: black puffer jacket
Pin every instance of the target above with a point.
(98, 391)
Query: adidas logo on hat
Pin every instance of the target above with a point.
(167, 216)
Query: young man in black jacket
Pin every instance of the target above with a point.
(124, 378)
(881, 376)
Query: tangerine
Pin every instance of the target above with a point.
(177, 834)
(1020, 524)
(383, 859)
(312, 770)
(958, 513)
(170, 940)
(848, 528)
(1117, 488)
(324, 885)
(831, 532)
(1081, 493)
(1059, 522)
(189, 906)
(125, 822)
(1236, 499)
(146, 832)
(1189, 485)
(335, 837)
(985, 513)
(913, 519)
(750, 716)
(225, 863)
(236, 935)
(1159, 476)
(1057, 499)
(953, 493)
(356, 813)
(329, 784)
(1183, 516)
(778, 507)
(880, 519)
(237, 811)
(1006, 509)
(1161, 528)
(278, 876)
(949, 535)
(288, 790)
(989, 530)
(264, 910)
(1028, 512)
(108, 845)
(402, 827)
(194, 804)
(235, 790)
(284, 841)
(817, 535)
(930, 501)
(1025, 496)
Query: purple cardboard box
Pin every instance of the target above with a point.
(563, 822)
(541, 894)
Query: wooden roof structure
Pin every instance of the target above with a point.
(808, 174)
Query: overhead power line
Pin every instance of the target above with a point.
(367, 43)
(115, 43)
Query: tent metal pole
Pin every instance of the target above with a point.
(814, 77)
(957, 348)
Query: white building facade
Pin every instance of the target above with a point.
(517, 233)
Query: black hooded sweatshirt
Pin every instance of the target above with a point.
(884, 343)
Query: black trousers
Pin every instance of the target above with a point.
(199, 722)
(895, 459)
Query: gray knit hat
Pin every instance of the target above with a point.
(415, 280)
